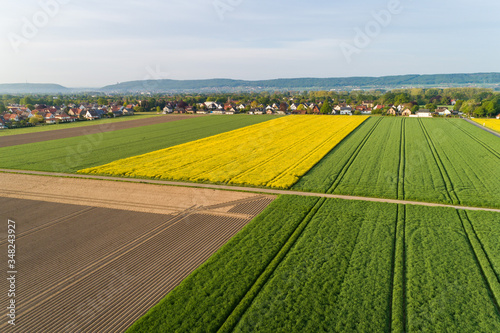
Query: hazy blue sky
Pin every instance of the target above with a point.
(92, 43)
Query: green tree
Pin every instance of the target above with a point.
(415, 108)
(158, 110)
(102, 101)
(26, 100)
(326, 108)
(431, 106)
(2, 107)
(34, 120)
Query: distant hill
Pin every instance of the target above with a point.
(228, 85)
(32, 88)
(305, 83)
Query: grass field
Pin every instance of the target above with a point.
(274, 154)
(45, 128)
(311, 264)
(435, 160)
(493, 124)
(72, 154)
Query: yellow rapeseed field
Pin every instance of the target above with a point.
(275, 153)
(494, 124)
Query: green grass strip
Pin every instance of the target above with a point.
(238, 312)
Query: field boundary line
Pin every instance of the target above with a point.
(351, 160)
(397, 320)
(333, 136)
(265, 191)
(92, 202)
(466, 217)
(246, 301)
(481, 142)
(482, 260)
(482, 127)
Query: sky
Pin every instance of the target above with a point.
(93, 43)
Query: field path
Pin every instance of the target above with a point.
(19, 139)
(234, 189)
(482, 127)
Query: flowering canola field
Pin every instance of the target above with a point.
(494, 124)
(275, 153)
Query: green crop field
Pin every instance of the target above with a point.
(72, 154)
(313, 265)
(45, 128)
(434, 160)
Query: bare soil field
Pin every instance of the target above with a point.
(20, 139)
(137, 197)
(83, 267)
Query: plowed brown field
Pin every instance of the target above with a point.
(83, 267)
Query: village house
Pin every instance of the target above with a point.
(91, 115)
(10, 117)
(443, 111)
(392, 111)
(49, 118)
(345, 111)
(64, 117)
(424, 113)
(406, 112)
(2, 123)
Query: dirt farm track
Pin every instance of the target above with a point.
(88, 267)
(19, 139)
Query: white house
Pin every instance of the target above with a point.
(498, 116)
(346, 111)
(424, 113)
(366, 112)
(444, 112)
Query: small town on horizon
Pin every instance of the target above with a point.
(30, 110)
